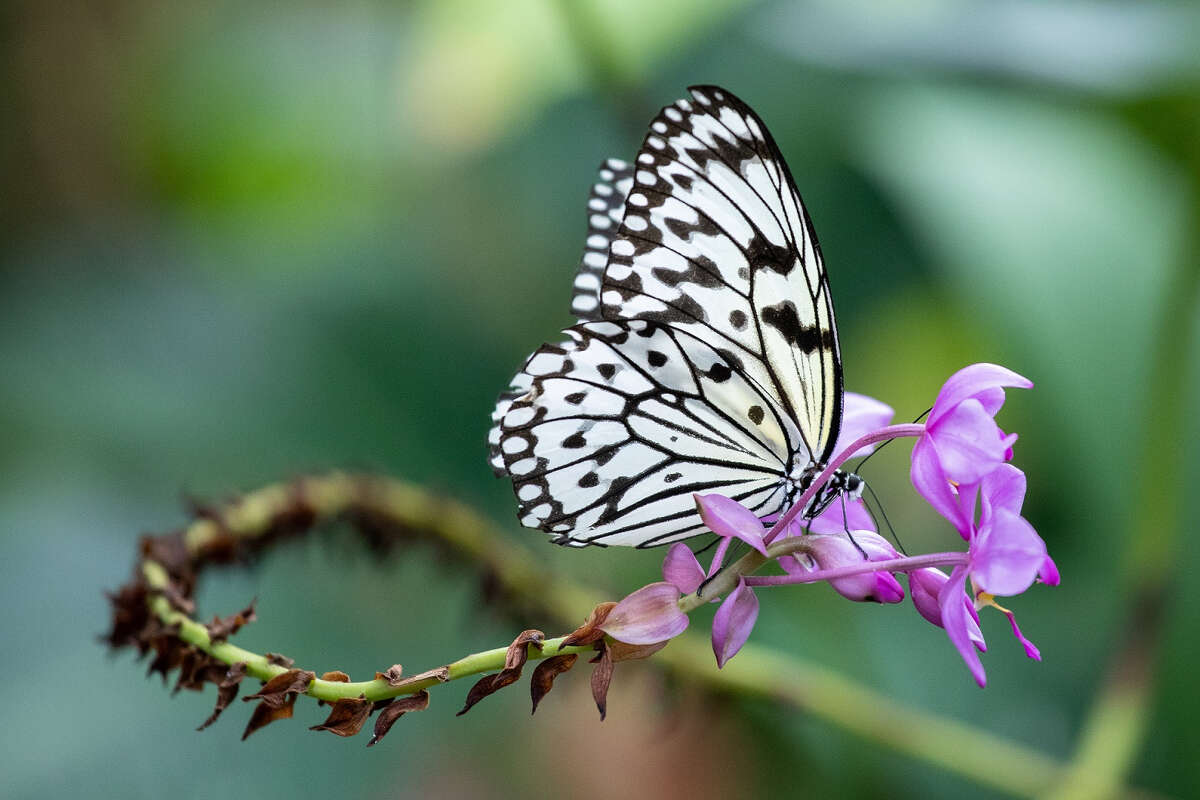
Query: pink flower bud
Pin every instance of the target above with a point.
(924, 586)
(649, 615)
(831, 551)
(733, 622)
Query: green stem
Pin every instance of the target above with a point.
(259, 667)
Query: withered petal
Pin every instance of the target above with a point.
(283, 686)
(337, 676)
(489, 684)
(518, 651)
(590, 632)
(347, 716)
(279, 660)
(545, 673)
(395, 710)
(221, 629)
(265, 713)
(631, 652)
(227, 689)
(601, 678)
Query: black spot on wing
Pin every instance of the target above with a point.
(783, 318)
(719, 373)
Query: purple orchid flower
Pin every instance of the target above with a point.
(1005, 556)
(962, 442)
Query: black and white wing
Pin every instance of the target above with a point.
(606, 207)
(716, 365)
(716, 242)
(624, 421)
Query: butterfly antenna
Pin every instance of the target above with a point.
(886, 521)
(858, 467)
(849, 535)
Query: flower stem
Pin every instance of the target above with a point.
(891, 565)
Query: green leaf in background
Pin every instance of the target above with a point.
(1055, 227)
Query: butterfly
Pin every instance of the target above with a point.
(705, 357)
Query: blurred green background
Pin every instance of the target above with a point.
(244, 241)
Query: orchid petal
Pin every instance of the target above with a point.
(924, 585)
(930, 482)
(1006, 555)
(1048, 572)
(1002, 488)
(887, 588)
(681, 568)
(729, 518)
(647, 616)
(970, 444)
(796, 564)
(833, 520)
(733, 622)
(972, 381)
(831, 551)
(958, 622)
(861, 415)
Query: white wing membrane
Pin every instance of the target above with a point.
(624, 421)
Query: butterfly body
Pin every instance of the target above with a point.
(706, 357)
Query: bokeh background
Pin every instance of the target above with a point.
(244, 241)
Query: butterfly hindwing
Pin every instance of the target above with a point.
(624, 422)
(715, 241)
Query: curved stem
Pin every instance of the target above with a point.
(958, 747)
(258, 666)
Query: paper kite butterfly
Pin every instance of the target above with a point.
(706, 355)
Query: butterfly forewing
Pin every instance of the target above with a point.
(715, 240)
